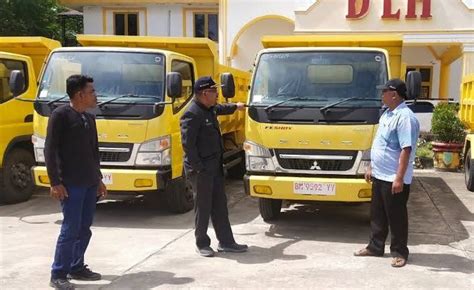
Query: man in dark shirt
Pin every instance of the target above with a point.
(72, 161)
(203, 148)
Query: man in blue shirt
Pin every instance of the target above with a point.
(391, 173)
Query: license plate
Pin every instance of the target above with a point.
(314, 188)
(107, 178)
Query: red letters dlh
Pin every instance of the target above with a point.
(388, 13)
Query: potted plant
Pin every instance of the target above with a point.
(449, 136)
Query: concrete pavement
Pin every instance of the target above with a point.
(311, 246)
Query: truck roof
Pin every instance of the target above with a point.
(202, 50)
(392, 43)
(37, 48)
(329, 48)
(333, 40)
(113, 49)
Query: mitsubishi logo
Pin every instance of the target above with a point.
(315, 166)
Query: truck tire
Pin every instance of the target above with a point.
(269, 208)
(469, 171)
(17, 184)
(179, 195)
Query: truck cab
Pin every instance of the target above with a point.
(314, 108)
(23, 57)
(143, 85)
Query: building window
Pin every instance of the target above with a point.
(206, 25)
(126, 23)
(6, 67)
(426, 79)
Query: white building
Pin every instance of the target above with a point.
(437, 35)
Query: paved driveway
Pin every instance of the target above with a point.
(138, 247)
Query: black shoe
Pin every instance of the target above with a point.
(205, 251)
(85, 274)
(61, 283)
(232, 248)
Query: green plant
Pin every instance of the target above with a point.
(424, 149)
(446, 125)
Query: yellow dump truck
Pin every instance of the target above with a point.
(20, 57)
(143, 84)
(313, 111)
(466, 114)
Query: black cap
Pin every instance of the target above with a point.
(396, 85)
(204, 83)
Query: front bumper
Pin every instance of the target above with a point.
(281, 187)
(118, 179)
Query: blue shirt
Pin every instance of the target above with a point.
(398, 129)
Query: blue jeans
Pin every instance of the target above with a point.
(78, 211)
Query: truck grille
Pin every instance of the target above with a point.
(324, 160)
(115, 152)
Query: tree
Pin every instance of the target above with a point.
(36, 18)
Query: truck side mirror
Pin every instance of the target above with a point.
(16, 83)
(413, 85)
(174, 85)
(228, 85)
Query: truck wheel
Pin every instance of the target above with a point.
(469, 171)
(179, 195)
(269, 208)
(17, 184)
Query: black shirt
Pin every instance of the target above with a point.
(201, 136)
(71, 149)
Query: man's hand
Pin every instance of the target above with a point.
(397, 185)
(102, 190)
(240, 106)
(58, 192)
(368, 174)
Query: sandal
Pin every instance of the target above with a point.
(365, 253)
(398, 262)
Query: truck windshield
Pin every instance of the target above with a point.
(319, 78)
(115, 74)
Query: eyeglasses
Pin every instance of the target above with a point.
(85, 122)
(387, 90)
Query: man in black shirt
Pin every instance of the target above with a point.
(72, 161)
(203, 148)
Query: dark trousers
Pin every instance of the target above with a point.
(78, 211)
(389, 210)
(210, 201)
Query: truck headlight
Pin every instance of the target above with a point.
(258, 157)
(38, 146)
(364, 163)
(155, 152)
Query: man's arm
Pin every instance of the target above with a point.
(55, 126)
(96, 145)
(407, 131)
(229, 108)
(225, 109)
(189, 132)
(397, 185)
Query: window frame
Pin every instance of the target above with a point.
(178, 108)
(25, 76)
(424, 85)
(206, 23)
(125, 24)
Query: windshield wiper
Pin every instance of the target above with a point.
(323, 109)
(267, 108)
(124, 96)
(56, 100)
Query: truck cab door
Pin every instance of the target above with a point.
(16, 116)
